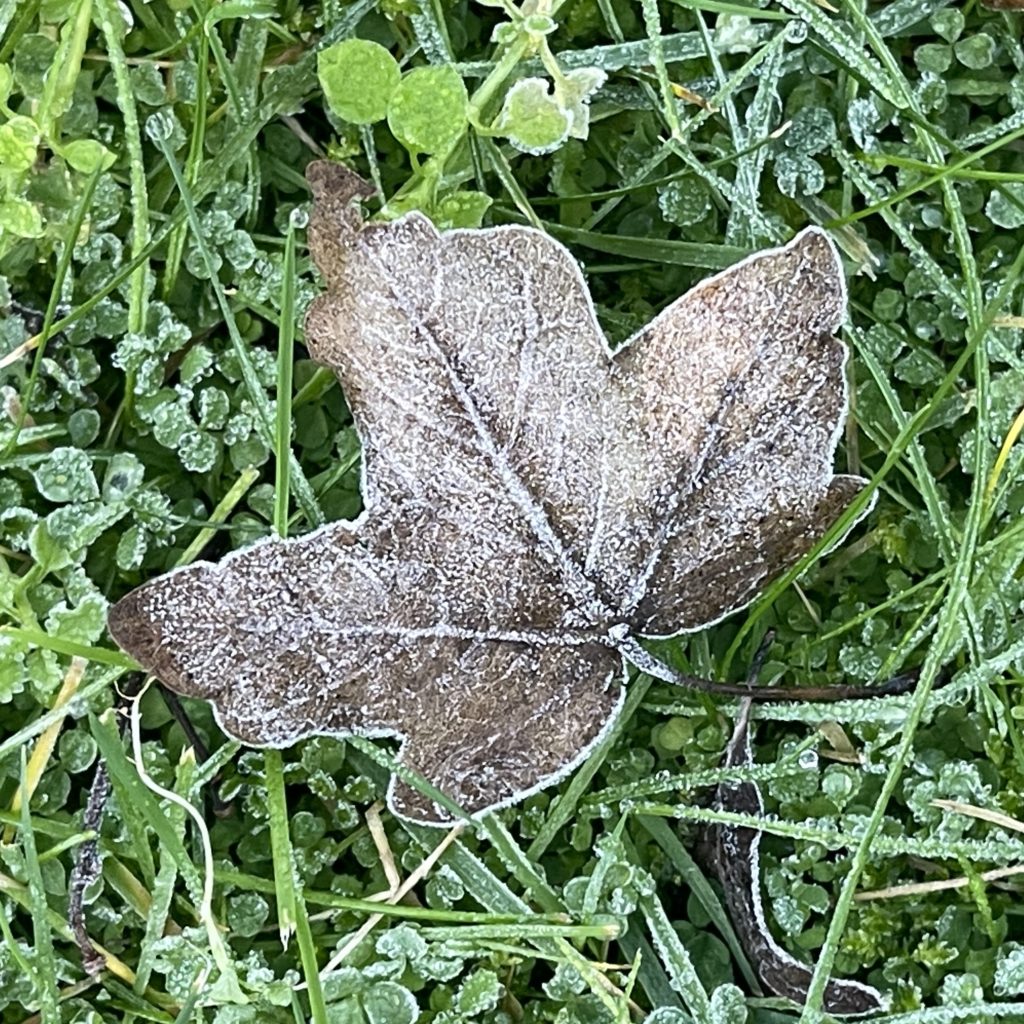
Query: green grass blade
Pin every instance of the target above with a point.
(283, 405)
(292, 916)
(265, 419)
(675, 959)
(45, 975)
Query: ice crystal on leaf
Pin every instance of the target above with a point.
(533, 503)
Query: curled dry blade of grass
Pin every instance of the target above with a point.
(160, 884)
(230, 990)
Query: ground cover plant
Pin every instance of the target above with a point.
(152, 368)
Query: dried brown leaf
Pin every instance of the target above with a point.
(532, 502)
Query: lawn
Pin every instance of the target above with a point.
(160, 406)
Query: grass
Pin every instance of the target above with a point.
(154, 270)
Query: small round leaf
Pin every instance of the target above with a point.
(1005, 208)
(20, 218)
(83, 427)
(77, 751)
(462, 210)
(19, 139)
(81, 624)
(532, 119)
(66, 475)
(685, 201)
(976, 52)
(389, 1003)
(427, 113)
(479, 993)
(131, 548)
(85, 155)
(358, 78)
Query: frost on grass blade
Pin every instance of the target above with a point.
(532, 502)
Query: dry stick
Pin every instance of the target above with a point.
(917, 888)
(88, 864)
(392, 897)
(387, 857)
(87, 869)
(33, 321)
(983, 813)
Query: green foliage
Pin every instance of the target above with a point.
(538, 121)
(150, 171)
(427, 112)
(359, 78)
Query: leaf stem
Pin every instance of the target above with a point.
(631, 649)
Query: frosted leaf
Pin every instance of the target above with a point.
(532, 119)
(685, 201)
(380, 1002)
(798, 175)
(565, 983)
(812, 130)
(964, 990)
(727, 1005)
(162, 126)
(82, 624)
(66, 475)
(735, 33)
(865, 120)
(131, 548)
(859, 661)
(537, 120)
(1009, 979)
(478, 994)
(949, 23)
(358, 77)
(808, 760)
(1006, 209)
(197, 451)
(532, 502)
(667, 1015)
(578, 87)
(402, 941)
(975, 52)
(427, 111)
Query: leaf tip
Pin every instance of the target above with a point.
(333, 184)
